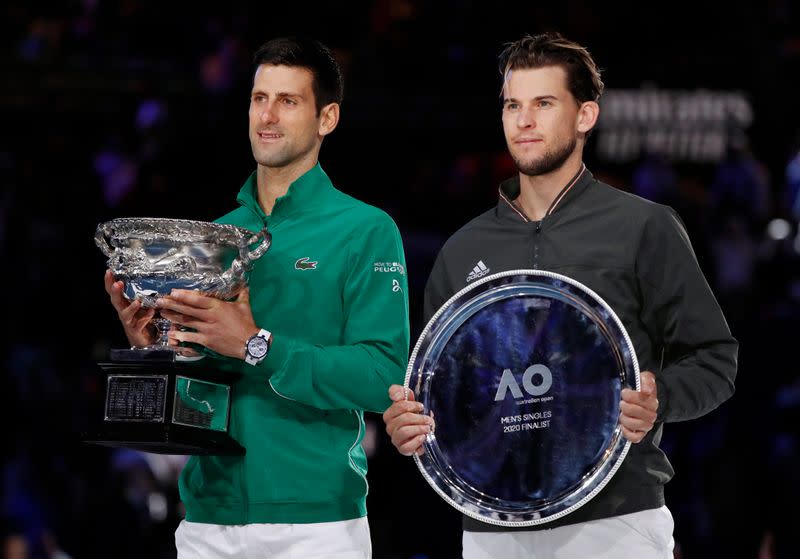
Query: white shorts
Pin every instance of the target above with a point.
(346, 539)
(641, 535)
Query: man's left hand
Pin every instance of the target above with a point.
(638, 408)
(221, 326)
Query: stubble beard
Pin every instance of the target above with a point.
(274, 160)
(549, 162)
(273, 157)
(283, 157)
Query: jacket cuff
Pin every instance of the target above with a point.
(279, 351)
(662, 393)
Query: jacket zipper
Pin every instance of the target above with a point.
(536, 231)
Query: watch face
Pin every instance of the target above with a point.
(257, 347)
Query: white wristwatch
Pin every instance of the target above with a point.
(257, 347)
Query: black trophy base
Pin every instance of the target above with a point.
(143, 409)
(165, 439)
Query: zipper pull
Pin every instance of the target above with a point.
(539, 226)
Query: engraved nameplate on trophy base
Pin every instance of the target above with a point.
(166, 407)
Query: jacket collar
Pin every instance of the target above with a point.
(307, 192)
(509, 192)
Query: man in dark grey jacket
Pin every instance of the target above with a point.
(634, 254)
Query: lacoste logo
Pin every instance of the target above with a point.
(478, 271)
(304, 264)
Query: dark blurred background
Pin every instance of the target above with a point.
(139, 108)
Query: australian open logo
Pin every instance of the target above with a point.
(536, 381)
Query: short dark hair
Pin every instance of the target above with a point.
(303, 52)
(551, 49)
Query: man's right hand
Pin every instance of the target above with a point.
(405, 423)
(135, 319)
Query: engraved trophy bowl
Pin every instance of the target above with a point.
(522, 372)
(152, 256)
(163, 398)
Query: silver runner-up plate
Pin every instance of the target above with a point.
(522, 372)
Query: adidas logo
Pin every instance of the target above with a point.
(478, 271)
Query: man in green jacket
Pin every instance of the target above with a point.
(328, 301)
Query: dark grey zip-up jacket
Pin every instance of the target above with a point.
(636, 255)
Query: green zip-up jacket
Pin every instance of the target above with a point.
(332, 290)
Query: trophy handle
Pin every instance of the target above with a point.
(241, 264)
(248, 256)
(101, 241)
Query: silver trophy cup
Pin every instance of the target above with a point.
(152, 256)
(164, 398)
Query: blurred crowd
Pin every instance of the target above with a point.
(126, 108)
